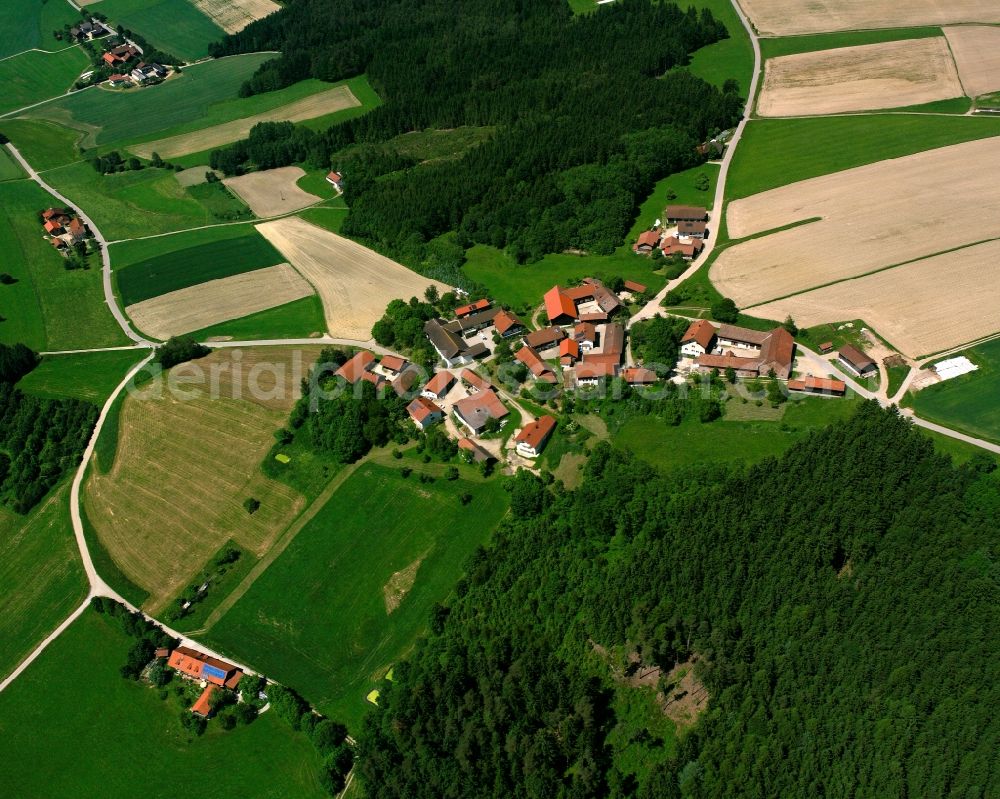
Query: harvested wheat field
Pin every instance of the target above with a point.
(273, 191)
(790, 17)
(182, 472)
(871, 76)
(315, 105)
(206, 304)
(920, 308)
(355, 283)
(976, 49)
(234, 15)
(870, 217)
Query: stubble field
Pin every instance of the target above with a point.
(207, 304)
(920, 308)
(977, 53)
(791, 17)
(355, 283)
(234, 15)
(273, 191)
(871, 76)
(184, 467)
(871, 217)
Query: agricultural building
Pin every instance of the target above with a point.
(198, 666)
(438, 385)
(686, 213)
(698, 338)
(531, 440)
(856, 361)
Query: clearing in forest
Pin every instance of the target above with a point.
(870, 218)
(315, 105)
(184, 467)
(207, 304)
(976, 49)
(920, 308)
(273, 191)
(355, 283)
(870, 76)
(234, 15)
(791, 17)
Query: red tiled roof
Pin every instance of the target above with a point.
(191, 662)
(504, 321)
(404, 382)
(421, 409)
(52, 226)
(570, 347)
(472, 307)
(535, 433)
(596, 368)
(638, 376)
(76, 226)
(585, 331)
(796, 385)
(58, 243)
(648, 238)
(536, 365)
(234, 680)
(701, 331)
(636, 288)
(727, 362)
(478, 453)
(393, 362)
(440, 383)
(355, 369)
(48, 213)
(374, 379)
(777, 351)
(476, 380)
(558, 304)
(203, 706)
(672, 245)
(334, 176)
(479, 407)
(824, 384)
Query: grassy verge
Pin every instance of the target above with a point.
(318, 618)
(101, 735)
(729, 58)
(9, 168)
(41, 574)
(90, 376)
(790, 45)
(44, 145)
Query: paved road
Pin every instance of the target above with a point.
(109, 295)
(653, 306)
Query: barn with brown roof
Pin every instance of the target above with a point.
(686, 213)
(646, 242)
(354, 369)
(856, 361)
(531, 439)
(507, 324)
(698, 338)
(476, 410)
(544, 338)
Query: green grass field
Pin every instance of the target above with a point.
(193, 265)
(730, 58)
(317, 619)
(726, 440)
(100, 735)
(9, 168)
(296, 319)
(789, 45)
(44, 145)
(29, 23)
(130, 204)
(330, 216)
(775, 152)
(41, 574)
(113, 116)
(32, 77)
(175, 26)
(90, 376)
(49, 307)
(967, 403)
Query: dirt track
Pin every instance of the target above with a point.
(355, 283)
(871, 76)
(316, 105)
(234, 15)
(977, 53)
(206, 304)
(920, 308)
(789, 17)
(273, 191)
(871, 217)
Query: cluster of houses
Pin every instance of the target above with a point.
(391, 371)
(64, 228)
(750, 353)
(89, 30)
(684, 236)
(455, 341)
(133, 71)
(210, 672)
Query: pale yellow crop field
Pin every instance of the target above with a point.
(920, 308)
(790, 17)
(355, 283)
(215, 301)
(234, 15)
(184, 467)
(976, 49)
(273, 191)
(871, 76)
(871, 217)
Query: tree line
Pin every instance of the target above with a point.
(590, 113)
(841, 601)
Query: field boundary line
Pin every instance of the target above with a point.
(873, 272)
(38, 50)
(279, 546)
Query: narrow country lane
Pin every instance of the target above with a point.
(109, 295)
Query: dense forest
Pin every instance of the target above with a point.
(40, 439)
(589, 109)
(841, 604)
